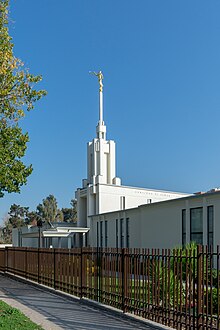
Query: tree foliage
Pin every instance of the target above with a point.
(17, 217)
(59, 216)
(32, 217)
(48, 209)
(70, 214)
(17, 95)
(13, 173)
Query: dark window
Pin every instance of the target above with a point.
(97, 234)
(116, 232)
(183, 228)
(101, 234)
(196, 225)
(127, 233)
(122, 232)
(106, 233)
(210, 218)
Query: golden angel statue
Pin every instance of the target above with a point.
(100, 78)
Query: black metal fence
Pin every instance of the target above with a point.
(178, 288)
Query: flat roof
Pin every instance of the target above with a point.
(56, 232)
(138, 188)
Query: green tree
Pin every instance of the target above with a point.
(4, 237)
(48, 209)
(17, 217)
(17, 94)
(70, 214)
(59, 216)
(32, 217)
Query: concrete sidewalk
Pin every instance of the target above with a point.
(55, 312)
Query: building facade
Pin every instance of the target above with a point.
(167, 224)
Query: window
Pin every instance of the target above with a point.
(196, 225)
(101, 234)
(127, 233)
(106, 233)
(183, 228)
(210, 218)
(116, 232)
(122, 232)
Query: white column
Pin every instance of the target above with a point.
(69, 242)
(100, 107)
(84, 240)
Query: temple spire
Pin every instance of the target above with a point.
(100, 129)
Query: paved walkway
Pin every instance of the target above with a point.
(54, 312)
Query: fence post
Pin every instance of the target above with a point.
(14, 270)
(38, 265)
(123, 279)
(81, 272)
(26, 262)
(98, 273)
(6, 259)
(97, 270)
(54, 269)
(199, 286)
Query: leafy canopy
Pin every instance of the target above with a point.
(17, 217)
(48, 209)
(17, 95)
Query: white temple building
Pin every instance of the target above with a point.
(102, 191)
(112, 215)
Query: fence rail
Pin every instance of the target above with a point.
(178, 288)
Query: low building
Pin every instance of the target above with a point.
(165, 224)
(55, 235)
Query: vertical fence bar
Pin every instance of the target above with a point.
(25, 262)
(218, 287)
(81, 272)
(199, 287)
(122, 279)
(54, 269)
(38, 265)
(6, 259)
(206, 293)
(186, 292)
(193, 262)
(99, 275)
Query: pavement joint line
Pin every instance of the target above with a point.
(87, 302)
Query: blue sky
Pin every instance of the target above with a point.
(161, 65)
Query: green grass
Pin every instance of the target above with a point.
(13, 319)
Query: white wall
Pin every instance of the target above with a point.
(104, 198)
(110, 197)
(159, 225)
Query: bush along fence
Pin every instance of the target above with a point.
(179, 288)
